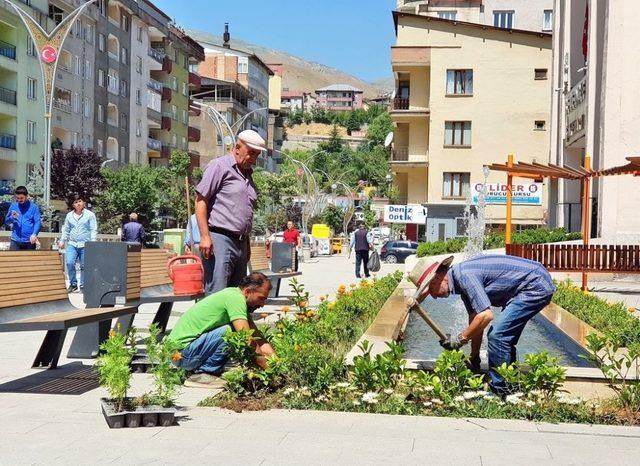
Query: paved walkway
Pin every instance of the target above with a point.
(42, 425)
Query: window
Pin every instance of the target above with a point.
(100, 78)
(125, 23)
(102, 42)
(123, 88)
(123, 121)
(31, 88)
(77, 65)
(174, 83)
(87, 107)
(88, 70)
(31, 47)
(31, 132)
(503, 19)
(174, 140)
(451, 15)
(88, 33)
(243, 65)
(100, 147)
(102, 7)
(138, 97)
(31, 168)
(123, 154)
(174, 113)
(540, 125)
(461, 226)
(185, 89)
(139, 128)
(547, 21)
(139, 65)
(77, 28)
(140, 34)
(455, 185)
(185, 117)
(76, 102)
(460, 82)
(100, 114)
(541, 73)
(124, 55)
(457, 133)
(138, 156)
(185, 146)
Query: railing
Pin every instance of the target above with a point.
(7, 141)
(155, 85)
(112, 122)
(580, 258)
(156, 55)
(154, 144)
(7, 50)
(400, 154)
(418, 154)
(63, 105)
(8, 96)
(401, 103)
(113, 55)
(154, 114)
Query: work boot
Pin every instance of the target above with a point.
(204, 380)
(72, 288)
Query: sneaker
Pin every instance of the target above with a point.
(72, 288)
(203, 380)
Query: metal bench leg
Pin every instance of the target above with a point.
(275, 287)
(86, 342)
(162, 316)
(50, 350)
(124, 323)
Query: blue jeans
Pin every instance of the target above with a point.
(207, 353)
(72, 255)
(505, 332)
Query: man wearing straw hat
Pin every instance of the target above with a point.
(520, 286)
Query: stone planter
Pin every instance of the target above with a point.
(142, 416)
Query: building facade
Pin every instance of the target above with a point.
(530, 15)
(467, 95)
(595, 112)
(339, 97)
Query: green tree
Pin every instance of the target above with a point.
(335, 144)
(353, 122)
(334, 217)
(378, 129)
(175, 194)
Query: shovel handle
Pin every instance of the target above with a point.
(416, 307)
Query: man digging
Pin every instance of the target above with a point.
(520, 286)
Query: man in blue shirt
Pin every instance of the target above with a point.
(132, 231)
(24, 219)
(79, 227)
(520, 286)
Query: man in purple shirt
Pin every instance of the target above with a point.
(224, 210)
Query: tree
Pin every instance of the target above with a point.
(334, 217)
(35, 186)
(353, 122)
(378, 129)
(75, 171)
(335, 144)
(176, 201)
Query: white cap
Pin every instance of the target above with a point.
(252, 139)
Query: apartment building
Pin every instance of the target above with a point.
(275, 125)
(466, 96)
(22, 126)
(339, 97)
(530, 15)
(595, 112)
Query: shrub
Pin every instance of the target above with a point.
(167, 378)
(542, 376)
(114, 366)
(383, 371)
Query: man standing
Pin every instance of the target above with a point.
(292, 235)
(362, 242)
(224, 210)
(192, 237)
(79, 227)
(520, 286)
(24, 218)
(132, 231)
(199, 332)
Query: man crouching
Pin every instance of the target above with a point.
(200, 331)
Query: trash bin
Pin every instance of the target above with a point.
(175, 237)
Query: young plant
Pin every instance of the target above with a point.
(543, 375)
(239, 347)
(167, 377)
(300, 296)
(114, 367)
(383, 371)
(453, 376)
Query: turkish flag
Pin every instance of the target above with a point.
(585, 34)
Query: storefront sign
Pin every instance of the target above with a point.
(523, 193)
(413, 213)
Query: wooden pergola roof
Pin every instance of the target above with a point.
(539, 170)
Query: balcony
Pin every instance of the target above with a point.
(157, 55)
(194, 80)
(401, 103)
(410, 56)
(7, 141)
(154, 115)
(194, 134)
(165, 123)
(8, 96)
(195, 158)
(165, 152)
(410, 155)
(194, 109)
(167, 94)
(7, 50)
(401, 106)
(154, 144)
(155, 85)
(576, 109)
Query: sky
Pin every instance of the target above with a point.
(351, 35)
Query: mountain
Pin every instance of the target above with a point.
(299, 74)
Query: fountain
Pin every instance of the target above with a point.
(476, 223)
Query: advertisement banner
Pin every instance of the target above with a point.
(523, 193)
(413, 213)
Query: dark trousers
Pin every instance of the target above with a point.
(227, 265)
(19, 246)
(362, 256)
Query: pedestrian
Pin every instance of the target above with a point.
(199, 332)
(362, 243)
(192, 237)
(80, 226)
(226, 197)
(520, 286)
(24, 219)
(132, 231)
(292, 235)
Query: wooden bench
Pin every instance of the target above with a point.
(261, 263)
(34, 297)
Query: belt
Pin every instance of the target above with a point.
(227, 233)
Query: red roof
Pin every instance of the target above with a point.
(292, 94)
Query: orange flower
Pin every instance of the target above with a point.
(353, 285)
(302, 304)
(632, 310)
(112, 333)
(310, 313)
(297, 348)
(264, 315)
(322, 298)
(176, 356)
(285, 309)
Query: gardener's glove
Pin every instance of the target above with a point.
(451, 343)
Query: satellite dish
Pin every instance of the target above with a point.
(388, 140)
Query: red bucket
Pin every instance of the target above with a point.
(187, 274)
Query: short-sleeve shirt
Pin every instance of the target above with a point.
(291, 236)
(214, 311)
(496, 280)
(230, 193)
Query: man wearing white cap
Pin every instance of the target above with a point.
(520, 286)
(224, 210)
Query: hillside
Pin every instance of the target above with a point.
(300, 74)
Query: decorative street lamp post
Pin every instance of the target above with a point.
(48, 46)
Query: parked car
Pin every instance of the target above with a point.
(397, 251)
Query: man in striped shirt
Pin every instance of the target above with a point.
(520, 286)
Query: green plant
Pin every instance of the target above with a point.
(540, 374)
(300, 296)
(621, 368)
(384, 370)
(452, 375)
(239, 347)
(167, 378)
(114, 366)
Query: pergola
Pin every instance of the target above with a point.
(567, 258)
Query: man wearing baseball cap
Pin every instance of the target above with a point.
(224, 212)
(520, 286)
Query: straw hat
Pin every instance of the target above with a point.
(426, 270)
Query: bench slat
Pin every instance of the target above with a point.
(64, 320)
(13, 288)
(43, 277)
(35, 300)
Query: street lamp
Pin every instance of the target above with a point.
(48, 46)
